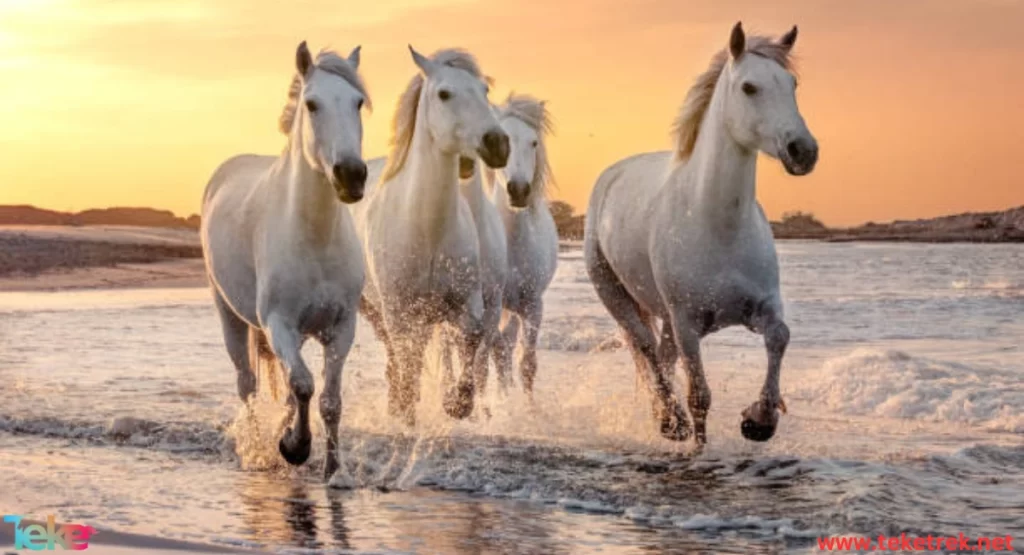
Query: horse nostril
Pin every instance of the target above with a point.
(793, 149)
(518, 192)
(350, 172)
(495, 142)
(359, 173)
(491, 140)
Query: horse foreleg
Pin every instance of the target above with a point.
(286, 342)
(533, 316)
(761, 418)
(687, 340)
(337, 345)
(503, 347)
(458, 400)
(446, 341)
(407, 344)
(392, 372)
(491, 339)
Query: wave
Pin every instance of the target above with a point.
(894, 384)
(176, 437)
(780, 497)
(986, 285)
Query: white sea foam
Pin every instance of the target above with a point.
(895, 384)
(994, 284)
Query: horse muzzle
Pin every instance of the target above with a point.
(349, 180)
(800, 156)
(494, 149)
(466, 167)
(518, 193)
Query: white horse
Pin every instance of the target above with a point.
(680, 237)
(418, 233)
(493, 270)
(520, 193)
(282, 256)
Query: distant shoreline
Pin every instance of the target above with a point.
(49, 258)
(41, 257)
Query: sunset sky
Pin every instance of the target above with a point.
(918, 105)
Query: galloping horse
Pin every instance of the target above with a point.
(419, 237)
(520, 193)
(680, 237)
(490, 233)
(282, 255)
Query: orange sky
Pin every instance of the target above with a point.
(918, 105)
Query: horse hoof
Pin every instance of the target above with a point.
(294, 454)
(330, 467)
(458, 402)
(458, 407)
(675, 430)
(755, 431)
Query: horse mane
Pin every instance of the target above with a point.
(331, 62)
(534, 113)
(687, 124)
(403, 125)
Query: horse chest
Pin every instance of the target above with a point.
(319, 316)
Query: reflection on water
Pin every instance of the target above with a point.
(303, 514)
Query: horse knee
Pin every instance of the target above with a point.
(330, 409)
(776, 337)
(699, 399)
(301, 382)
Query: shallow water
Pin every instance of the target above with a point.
(903, 382)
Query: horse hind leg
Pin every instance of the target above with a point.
(636, 326)
(760, 419)
(337, 345)
(236, 339)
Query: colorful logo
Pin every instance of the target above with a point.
(36, 537)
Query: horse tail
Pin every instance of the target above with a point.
(260, 355)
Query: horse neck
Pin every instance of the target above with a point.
(721, 171)
(308, 199)
(473, 192)
(431, 184)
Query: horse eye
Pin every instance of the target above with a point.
(749, 89)
(311, 106)
(534, 144)
(444, 95)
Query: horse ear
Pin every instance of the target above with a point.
(737, 41)
(353, 57)
(426, 65)
(789, 39)
(303, 60)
